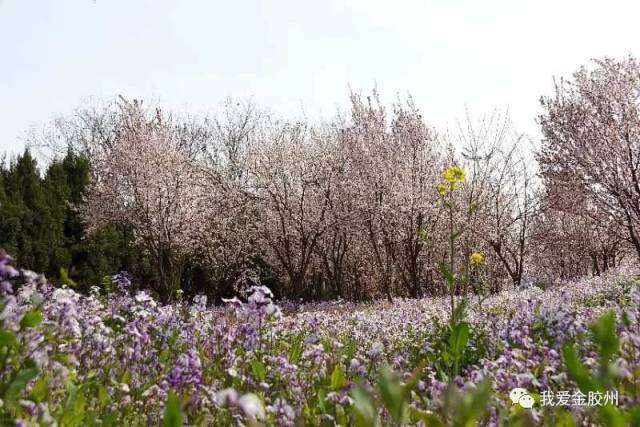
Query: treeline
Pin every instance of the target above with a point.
(355, 207)
(40, 224)
(41, 227)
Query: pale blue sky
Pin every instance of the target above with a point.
(292, 54)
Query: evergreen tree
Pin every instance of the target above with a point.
(87, 258)
(40, 225)
(27, 222)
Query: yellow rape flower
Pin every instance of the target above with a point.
(476, 258)
(441, 189)
(453, 175)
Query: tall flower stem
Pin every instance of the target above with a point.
(452, 286)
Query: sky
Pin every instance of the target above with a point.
(298, 56)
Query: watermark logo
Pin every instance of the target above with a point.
(577, 398)
(521, 397)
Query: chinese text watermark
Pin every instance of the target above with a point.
(523, 398)
(578, 398)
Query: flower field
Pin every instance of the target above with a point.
(201, 224)
(124, 359)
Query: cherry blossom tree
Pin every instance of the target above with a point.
(572, 236)
(396, 164)
(292, 185)
(592, 137)
(148, 180)
(229, 245)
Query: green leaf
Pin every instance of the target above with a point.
(295, 350)
(338, 381)
(603, 331)
(17, 384)
(110, 419)
(465, 409)
(459, 312)
(563, 418)
(258, 369)
(612, 416)
(322, 394)
(446, 274)
(429, 418)
(634, 416)
(126, 377)
(103, 395)
(106, 284)
(476, 402)
(172, 411)
(31, 318)
(459, 338)
(341, 416)
(74, 412)
(365, 414)
(39, 389)
(392, 395)
(65, 279)
(7, 338)
(577, 371)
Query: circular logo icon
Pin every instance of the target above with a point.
(522, 397)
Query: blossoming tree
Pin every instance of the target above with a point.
(149, 182)
(592, 137)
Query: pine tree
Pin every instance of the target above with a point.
(40, 225)
(86, 258)
(27, 223)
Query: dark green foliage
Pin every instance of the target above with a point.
(28, 226)
(604, 335)
(391, 393)
(456, 346)
(41, 227)
(460, 408)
